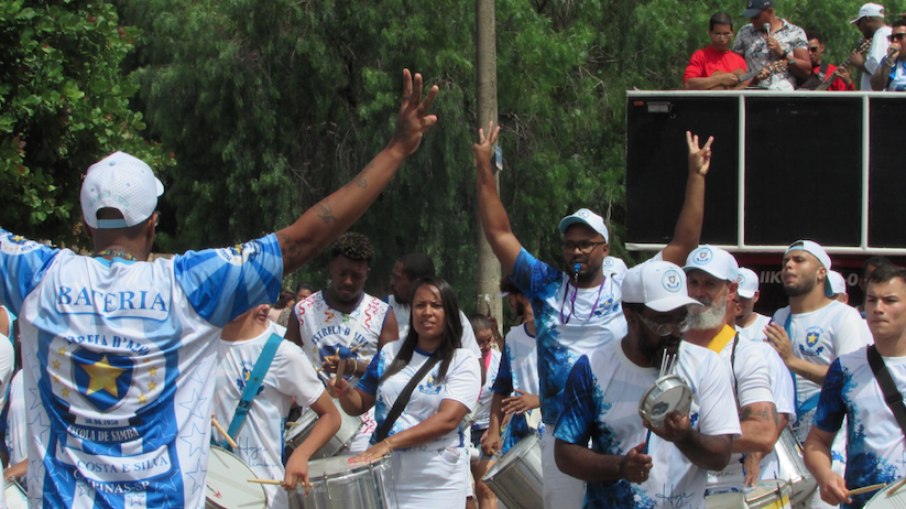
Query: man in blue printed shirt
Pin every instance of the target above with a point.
(875, 449)
(119, 352)
(576, 311)
(626, 466)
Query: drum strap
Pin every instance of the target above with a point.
(254, 383)
(892, 396)
(381, 433)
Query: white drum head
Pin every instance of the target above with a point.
(227, 482)
(885, 500)
(773, 494)
(668, 393)
(15, 496)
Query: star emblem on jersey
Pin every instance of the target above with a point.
(103, 378)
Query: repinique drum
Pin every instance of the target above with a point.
(792, 467)
(891, 497)
(15, 496)
(349, 428)
(516, 478)
(668, 393)
(227, 485)
(337, 484)
(769, 494)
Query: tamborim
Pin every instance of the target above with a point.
(516, 478)
(338, 484)
(668, 393)
(226, 482)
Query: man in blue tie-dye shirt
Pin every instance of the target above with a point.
(578, 310)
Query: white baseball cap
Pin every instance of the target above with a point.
(588, 218)
(659, 285)
(122, 182)
(836, 281)
(748, 283)
(812, 247)
(869, 10)
(713, 260)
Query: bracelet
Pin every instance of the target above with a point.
(389, 443)
(890, 63)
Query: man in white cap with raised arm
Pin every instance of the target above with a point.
(577, 308)
(120, 352)
(811, 332)
(664, 466)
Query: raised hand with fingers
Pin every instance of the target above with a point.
(484, 149)
(413, 120)
(699, 156)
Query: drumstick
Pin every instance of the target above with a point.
(865, 489)
(341, 367)
(274, 482)
(896, 487)
(226, 436)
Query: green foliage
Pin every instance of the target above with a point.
(63, 105)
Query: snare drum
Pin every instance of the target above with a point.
(226, 482)
(516, 479)
(668, 393)
(15, 496)
(349, 428)
(792, 467)
(336, 484)
(885, 500)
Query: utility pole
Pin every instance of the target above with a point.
(486, 82)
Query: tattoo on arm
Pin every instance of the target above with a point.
(361, 180)
(765, 414)
(325, 212)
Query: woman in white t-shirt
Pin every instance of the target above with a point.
(426, 442)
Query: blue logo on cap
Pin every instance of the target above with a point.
(672, 282)
(703, 256)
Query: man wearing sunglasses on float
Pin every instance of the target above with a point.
(891, 74)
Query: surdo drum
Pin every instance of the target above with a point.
(516, 478)
(339, 484)
(349, 428)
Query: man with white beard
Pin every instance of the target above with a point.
(712, 280)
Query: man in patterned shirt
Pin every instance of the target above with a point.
(119, 352)
(772, 41)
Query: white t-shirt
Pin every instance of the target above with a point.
(875, 450)
(751, 376)
(119, 358)
(876, 53)
(482, 417)
(603, 391)
(569, 321)
(518, 364)
(16, 421)
(324, 329)
(260, 439)
(819, 337)
(755, 330)
(462, 383)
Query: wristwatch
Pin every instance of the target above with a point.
(790, 57)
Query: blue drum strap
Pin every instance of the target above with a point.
(802, 407)
(254, 383)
